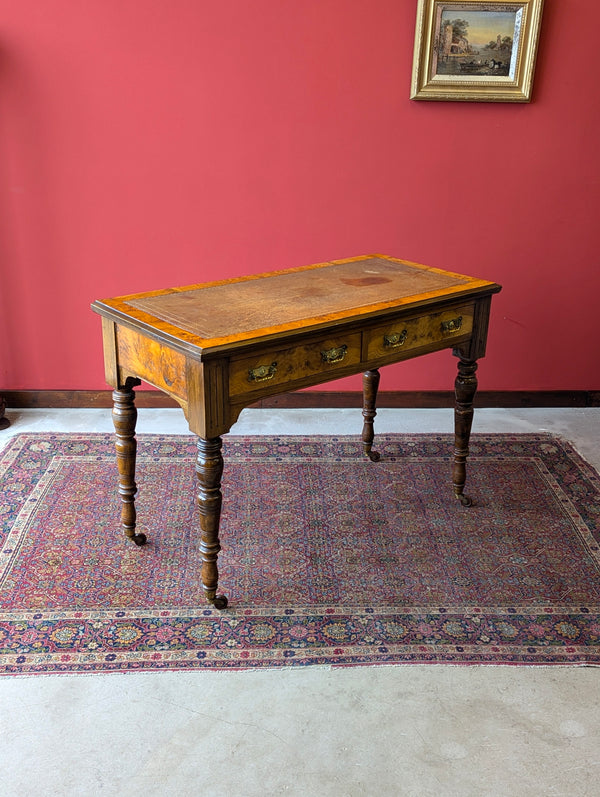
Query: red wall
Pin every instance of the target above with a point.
(146, 143)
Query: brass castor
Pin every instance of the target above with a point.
(139, 538)
(219, 601)
(465, 499)
(374, 456)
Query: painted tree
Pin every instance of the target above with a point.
(459, 28)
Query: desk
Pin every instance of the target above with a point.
(219, 347)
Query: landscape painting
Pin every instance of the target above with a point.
(478, 42)
(476, 51)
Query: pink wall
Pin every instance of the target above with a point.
(146, 143)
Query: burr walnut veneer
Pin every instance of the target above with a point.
(219, 347)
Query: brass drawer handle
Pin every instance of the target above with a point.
(262, 373)
(452, 326)
(334, 355)
(395, 339)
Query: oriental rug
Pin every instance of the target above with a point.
(327, 558)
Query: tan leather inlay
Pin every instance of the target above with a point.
(223, 310)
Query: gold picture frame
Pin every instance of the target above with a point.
(475, 51)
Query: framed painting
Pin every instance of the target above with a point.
(475, 51)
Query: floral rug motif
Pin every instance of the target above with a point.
(327, 558)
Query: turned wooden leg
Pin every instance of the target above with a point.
(465, 387)
(370, 386)
(209, 468)
(124, 418)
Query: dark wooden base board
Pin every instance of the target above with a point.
(85, 399)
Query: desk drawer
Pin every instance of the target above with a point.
(413, 333)
(280, 366)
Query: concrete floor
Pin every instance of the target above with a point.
(399, 730)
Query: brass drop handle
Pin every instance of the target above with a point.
(453, 325)
(334, 355)
(395, 340)
(262, 373)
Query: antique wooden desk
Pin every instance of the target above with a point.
(219, 347)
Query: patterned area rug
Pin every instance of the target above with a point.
(327, 558)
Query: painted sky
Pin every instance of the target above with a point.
(484, 26)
